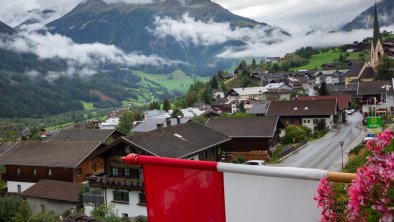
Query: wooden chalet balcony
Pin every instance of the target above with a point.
(129, 184)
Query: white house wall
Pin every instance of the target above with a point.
(12, 186)
(132, 209)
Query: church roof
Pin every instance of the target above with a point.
(376, 32)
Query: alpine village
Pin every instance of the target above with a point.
(304, 136)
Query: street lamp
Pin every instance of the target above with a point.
(341, 144)
(387, 88)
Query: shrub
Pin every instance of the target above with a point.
(295, 134)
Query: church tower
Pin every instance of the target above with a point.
(377, 50)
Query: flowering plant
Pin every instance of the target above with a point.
(371, 191)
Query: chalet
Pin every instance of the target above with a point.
(28, 162)
(247, 134)
(151, 124)
(66, 157)
(278, 94)
(276, 86)
(307, 113)
(340, 89)
(111, 123)
(343, 103)
(122, 184)
(298, 82)
(273, 78)
(246, 93)
(329, 76)
(218, 104)
(374, 94)
(271, 60)
(53, 196)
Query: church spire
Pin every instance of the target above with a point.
(376, 32)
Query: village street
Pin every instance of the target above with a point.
(325, 153)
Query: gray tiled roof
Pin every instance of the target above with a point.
(372, 88)
(258, 109)
(50, 154)
(54, 190)
(302, 108)
(178, 141)
(252, 127)
(151, 124)
(83, 135)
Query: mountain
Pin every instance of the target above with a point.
(385, 12)
(5, 29)
(129, 27)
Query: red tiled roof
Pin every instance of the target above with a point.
(343, 100)
(54, 190)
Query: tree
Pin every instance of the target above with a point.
(10, 206)
(166, 105)
(254, 65)
(214, 83)
(207, 96)
(126, 122)
(385, 68)
(243, 65)
(323, 91)
(176, 112)
(154, 105)
(43, 217)
(246, 81)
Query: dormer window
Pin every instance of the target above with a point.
(34, 171)
(49, 172)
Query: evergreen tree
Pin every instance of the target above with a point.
(254, 65)
(154, 105)
(214, 83)
(223, 87)
(166, 105)
(207, 96)
(126, 123)
(323, 91)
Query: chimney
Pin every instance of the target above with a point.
(178, 120)
(160, 127)
(168, 120)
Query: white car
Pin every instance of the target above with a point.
(255, 162)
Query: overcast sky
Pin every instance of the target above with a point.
(295, 16)
(292, 15)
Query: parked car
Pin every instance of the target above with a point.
(255, 162)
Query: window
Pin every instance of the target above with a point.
(34, 171)
(124, 215)
(121, 196)
(309, 121)
(304, 121)
(18, 170)
(127, 150)
(19, 187)
(49, 172)
(127, 172)
(115, 171)
(315, 121)
(79, 171)
(141, 199)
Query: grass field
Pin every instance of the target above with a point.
(87, 105)
(316, 62)
(234, 82)
(176, 80)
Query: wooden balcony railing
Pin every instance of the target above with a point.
(129, 184)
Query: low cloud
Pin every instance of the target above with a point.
(197, 32)
(84, 56)
(316, 39)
